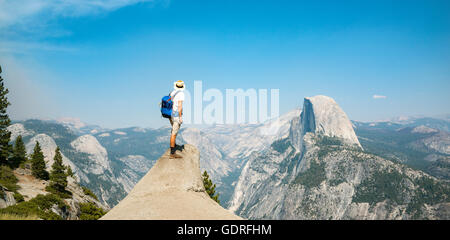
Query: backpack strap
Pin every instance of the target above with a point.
(170, 97)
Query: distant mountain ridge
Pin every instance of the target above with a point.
(414, 144)
(225, 149)
(442, 124)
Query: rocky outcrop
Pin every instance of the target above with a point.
(423, 129)
(98, 155)
(18, 129)
(322, 115)
(172, 189)
(439, 142)
(6, 198)
(79, 197)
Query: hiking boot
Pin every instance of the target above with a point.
(175, 156)
(179, 147)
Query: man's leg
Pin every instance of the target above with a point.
(172, 140)
(173, 136)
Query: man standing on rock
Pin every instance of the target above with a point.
(177, 112)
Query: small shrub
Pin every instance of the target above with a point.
(18, 197)
(210, 188)
(88, 192)
(90, 212)
(8, 179)
(69, 172)
(62, 194)
(39, 206)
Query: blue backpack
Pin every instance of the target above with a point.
(167, 105)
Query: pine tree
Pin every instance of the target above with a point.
(5, 135)
(19, 152)
(210, 187)
(38, 163)
(69, 172)
(58, 176)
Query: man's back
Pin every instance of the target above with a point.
(177, 95)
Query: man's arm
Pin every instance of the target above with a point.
(180, 110)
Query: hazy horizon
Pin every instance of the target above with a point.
(445, 117)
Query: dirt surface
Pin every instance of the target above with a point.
(30, 186)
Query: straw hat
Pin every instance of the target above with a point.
(178, 85)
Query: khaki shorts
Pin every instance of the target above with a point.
(175, 122)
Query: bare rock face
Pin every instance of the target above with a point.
(322, 115)
(97, 153)
(18, 129)
(172, 189)
(6, 198)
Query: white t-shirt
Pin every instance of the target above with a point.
(178, 97)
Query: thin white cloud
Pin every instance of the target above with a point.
(16, 12)
(27, 24)
(25, 47)
(379, 96)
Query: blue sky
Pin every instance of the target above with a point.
(110, 62)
